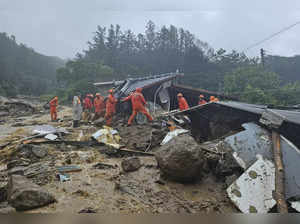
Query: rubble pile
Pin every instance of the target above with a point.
(153, 167)
(16, 107)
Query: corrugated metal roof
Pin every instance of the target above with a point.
(132, 84)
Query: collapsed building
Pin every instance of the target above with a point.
(263, 140)
(235, 156)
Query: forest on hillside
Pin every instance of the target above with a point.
(115, 54)
(24, 71)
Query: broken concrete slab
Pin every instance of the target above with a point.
(271, 119)
(25, 195)
(253, 191)
(296, 205)
(247, 144)
(291, 161)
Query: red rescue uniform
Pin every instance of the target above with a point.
(138, 105)
(183, 105)
(88, 103)
(99, 105)
(53, 105)
(110, 108)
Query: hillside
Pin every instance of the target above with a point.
(287, 67)
(24, 71)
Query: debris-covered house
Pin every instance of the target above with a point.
(253, 133)
(260, 139)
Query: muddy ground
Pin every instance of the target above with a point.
(108, 190)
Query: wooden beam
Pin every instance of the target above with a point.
(279, 174)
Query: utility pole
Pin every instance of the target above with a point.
(262, 55)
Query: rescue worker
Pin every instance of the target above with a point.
(182, 104)
(99, 106)
(138, 105)
(53, 111)
(77, 110)
(213, 99)
(202, 101)
(110, 107)
(87, 107)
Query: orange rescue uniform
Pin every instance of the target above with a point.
(110, 108)
(53, 105)
(99, 105)
(138, 105)
(183, 105)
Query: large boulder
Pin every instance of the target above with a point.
(24, 195)
(181, 159)
(131, 164)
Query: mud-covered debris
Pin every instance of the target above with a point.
(104, 166)
(68, 169)
(5, 208)
(88, 210)
(63, 177)
(227, 166)
(131, 164)
(81, 193)
(39, 152)
(17, 162)
(108, 136)
(181, 159)
(3, 194)
(25, 195)
(17, 108)
(230, 179)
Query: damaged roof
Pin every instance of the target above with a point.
(127, 86)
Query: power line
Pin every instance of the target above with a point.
(270, 37)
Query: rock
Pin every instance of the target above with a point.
(5, 208)
(39, 151)
(24, 195)
(131, 164)
(88, 210)
(3, 194)
(181, 159)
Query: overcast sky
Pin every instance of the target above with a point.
(62, 27)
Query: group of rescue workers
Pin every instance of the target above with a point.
(107, 108)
